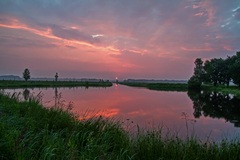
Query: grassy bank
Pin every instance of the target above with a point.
(224, 89)
(30, 131)
(159, 86)
(184, 87)
(22, 84)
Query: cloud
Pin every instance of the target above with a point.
(134, 35)
(237, 14)
(72, 34)
(97, 35)
(23, 42)
(71, 47)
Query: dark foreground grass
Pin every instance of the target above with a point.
(159, 86)
(21, 84)
(30, 131)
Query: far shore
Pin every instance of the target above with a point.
(179, 87)
(30, 84)
(183, 87)
(158, 86)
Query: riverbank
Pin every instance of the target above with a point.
(223, 89)
(30, 84)
(184, 87)
(30, 131)
(159, 86)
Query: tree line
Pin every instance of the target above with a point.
(216, 71)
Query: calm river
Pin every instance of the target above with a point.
(210, 115)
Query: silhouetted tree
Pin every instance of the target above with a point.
(198, 70)
(235, 69)
(216, 71)
(196, 80)
(26, 74)
(194, 83)
(228, 69)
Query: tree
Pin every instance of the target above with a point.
(228, 69)
(196, 80)
(26, 74)
(194, 83)
(235, 69)
(214, 71)
(198, 70)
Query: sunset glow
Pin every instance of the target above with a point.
(102, 39)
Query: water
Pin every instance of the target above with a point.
(210, 116)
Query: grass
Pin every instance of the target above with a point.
(184, 87)
(30, 131)
(22, 84)
(159, 86)
(224, 89)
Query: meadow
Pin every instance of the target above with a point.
(22, 84)
(159, 86)
(184, 87)
(28, 130)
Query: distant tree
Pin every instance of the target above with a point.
(26, 74)
(56, 77)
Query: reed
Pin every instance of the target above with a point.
(30, 131)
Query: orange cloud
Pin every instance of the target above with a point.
(47, 33)
(197, 49)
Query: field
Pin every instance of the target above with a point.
(30, 131)
(22, 84)
(184, 87)
(159, 86)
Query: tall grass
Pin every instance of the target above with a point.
(30, 131)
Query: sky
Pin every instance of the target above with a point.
(150, 39)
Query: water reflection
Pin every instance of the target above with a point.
(216, 105)
(56, 97)
(148, 108)
(26, 94)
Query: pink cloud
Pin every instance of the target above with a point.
(228, 48)
(197, 49)
(135, 40)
